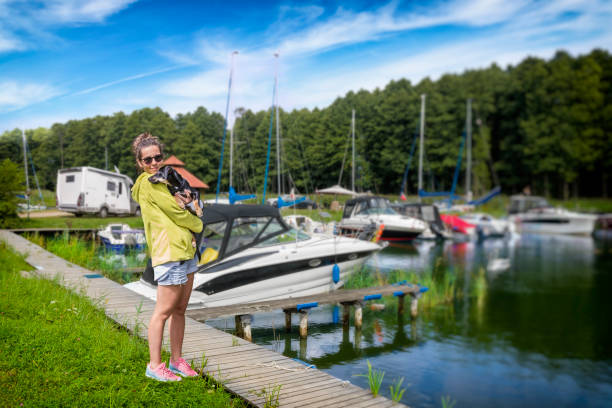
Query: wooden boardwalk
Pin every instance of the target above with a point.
(243, 368)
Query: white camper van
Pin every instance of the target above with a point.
(87, 190)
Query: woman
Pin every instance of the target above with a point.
(168, 229)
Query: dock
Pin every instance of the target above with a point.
(245, 369)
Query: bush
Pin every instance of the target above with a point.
(11, 182)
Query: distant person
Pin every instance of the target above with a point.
(168, 229)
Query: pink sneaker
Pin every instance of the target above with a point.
(181, 367)
(161, 373)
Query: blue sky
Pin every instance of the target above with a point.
(71, 59)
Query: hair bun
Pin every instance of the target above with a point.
(143, 140)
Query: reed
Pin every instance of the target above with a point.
(444, 283)
(375, 378)
(396, 391)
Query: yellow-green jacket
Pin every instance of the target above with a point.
(167, 226)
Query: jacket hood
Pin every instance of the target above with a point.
(138, 185)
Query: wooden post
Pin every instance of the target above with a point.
(303, 323)
(303, 348)
(238, 323)
(346, 314)
(287, 320)
(243, 326)
(414, 304)
(400, 304)
(358, 315)
(357, 338)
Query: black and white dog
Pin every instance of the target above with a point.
(177, 185)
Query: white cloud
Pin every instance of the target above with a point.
(15, 95)
(516, 24)
(25, 24)
(79, 11)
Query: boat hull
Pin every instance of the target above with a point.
(560, 224)
(274, 272)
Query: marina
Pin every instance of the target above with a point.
(541, 322)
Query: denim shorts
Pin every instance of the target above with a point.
(175, 273)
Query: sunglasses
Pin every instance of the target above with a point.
(158, 158)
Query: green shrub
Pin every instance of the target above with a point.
(11, 180)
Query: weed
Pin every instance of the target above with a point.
(396, 391)
(203, 363)
(375, 378)
(271, 395)
(235, 342)
(447, 402)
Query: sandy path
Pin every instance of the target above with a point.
(46, 213)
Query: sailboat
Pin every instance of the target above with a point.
(375, 213)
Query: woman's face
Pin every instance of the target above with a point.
(150, 154)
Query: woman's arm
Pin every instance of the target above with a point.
(181, 217)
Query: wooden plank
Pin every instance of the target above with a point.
(250, 380)
(378, 401)
(353, 400)
(318, 395)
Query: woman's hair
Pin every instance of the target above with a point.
(144, 140)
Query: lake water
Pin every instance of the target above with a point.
(539, 335)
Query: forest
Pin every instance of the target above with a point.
(545, 125)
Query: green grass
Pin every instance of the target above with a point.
(90, 255)
(58, 350)
(89, 222)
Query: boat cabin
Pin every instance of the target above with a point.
(367, 206)
(426, 212)
(522, 204)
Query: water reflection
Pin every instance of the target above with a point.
(539, 335)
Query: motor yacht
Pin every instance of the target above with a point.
(249, 254)
(362, 212)
(533, 214)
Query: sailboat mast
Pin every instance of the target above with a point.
(468, 171)
(421, 145)
(353, 138)
(278, 152)
(229, 91)
(231, 166)
(25, 166)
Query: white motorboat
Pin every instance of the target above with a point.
(121, 237)
(536, 215)
(249, 254)
(488, 226)
(361, 212)
(308, 225)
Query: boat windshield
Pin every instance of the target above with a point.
(212, 239)
(288, 237)
(375, 205)
(525, 203)
(245, 230)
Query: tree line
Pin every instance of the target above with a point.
(542, 124)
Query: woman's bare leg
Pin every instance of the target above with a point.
(167, 300)
(177, 321)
